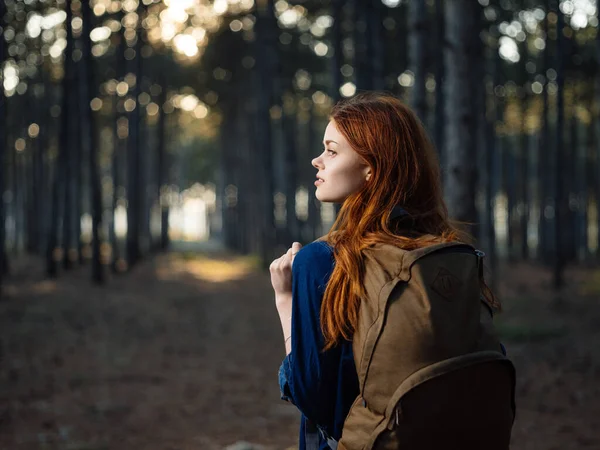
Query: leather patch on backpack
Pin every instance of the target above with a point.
(445, 284)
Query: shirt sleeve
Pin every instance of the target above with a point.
(308, 376)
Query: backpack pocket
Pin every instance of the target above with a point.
(465, 403)
(359, 426)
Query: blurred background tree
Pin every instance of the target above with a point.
(125, 125)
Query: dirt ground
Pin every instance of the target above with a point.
(183, 353)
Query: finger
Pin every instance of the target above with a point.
(296, 246)
(286, 259)
(274, 264)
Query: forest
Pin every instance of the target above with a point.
(155, 152)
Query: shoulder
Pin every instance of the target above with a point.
(318, 256)
(315, 253)
(312, 267)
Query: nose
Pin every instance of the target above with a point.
(316, 163)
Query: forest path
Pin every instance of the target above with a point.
(182, 353)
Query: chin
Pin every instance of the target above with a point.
(324, 198)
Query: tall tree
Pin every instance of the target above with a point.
(560, 199)
(162, 166)
(70, 172)
(491, 172)
(79, 144)
(2, 144)
(33, 146)
(478, 106)
(460, 177)
(438, 50)
(417, 38)
(597, 135)
(265, 60)
(52, 251)
(291, 168)
(89, 129)
(227, 164)
(314, 211)
(376, 44)
(40, 162)
(523, 182)
(362, 68)
(120, 132)
(134, 169)
(543, 176)
(581, 183)
(338, 56)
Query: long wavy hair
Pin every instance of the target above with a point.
(389, 137)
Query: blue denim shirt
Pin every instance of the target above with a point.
(322, 385)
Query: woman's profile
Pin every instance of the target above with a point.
(386, 319)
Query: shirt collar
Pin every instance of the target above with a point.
(398, 211)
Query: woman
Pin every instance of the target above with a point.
(379, 164)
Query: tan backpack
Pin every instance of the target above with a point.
(431, 370)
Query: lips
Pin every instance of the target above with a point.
(319, 181)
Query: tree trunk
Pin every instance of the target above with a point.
(52, 252)
(523, 183)
(224, 180)
(162, 168)
(491, 140)
(145, 180)
(134, 191)
(2, 152)
(582, 163)
(78, 176)
(578, 198)
(439, 80)
(338, 55)
(265, 62)
(33, 106)
(40, 189)
(460, 179)
(118, 149)
(417, 38)
(17, 194)
(89, 130)
(69, 171)
(544, 194)
(478, 105)
(509, 164)
(314, 210)
(120, 133)
(376, 44)
(291, 168)
(590, 148)
(361, 44)
(560, 199)
(597, 141)
(244, 179)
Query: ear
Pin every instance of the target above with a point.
(367, 173)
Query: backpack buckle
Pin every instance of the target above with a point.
(480, 255)
(394, 420)
(398, 415)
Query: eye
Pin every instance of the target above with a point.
(330, 152)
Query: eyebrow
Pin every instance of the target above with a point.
(329, 141)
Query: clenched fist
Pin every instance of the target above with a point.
(281, 270)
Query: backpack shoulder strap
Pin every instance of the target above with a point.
(413, 256)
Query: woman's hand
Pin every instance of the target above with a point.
(281, 271)
(281, 279)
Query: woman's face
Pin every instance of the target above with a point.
(341, 172)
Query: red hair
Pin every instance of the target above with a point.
(389, 137)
